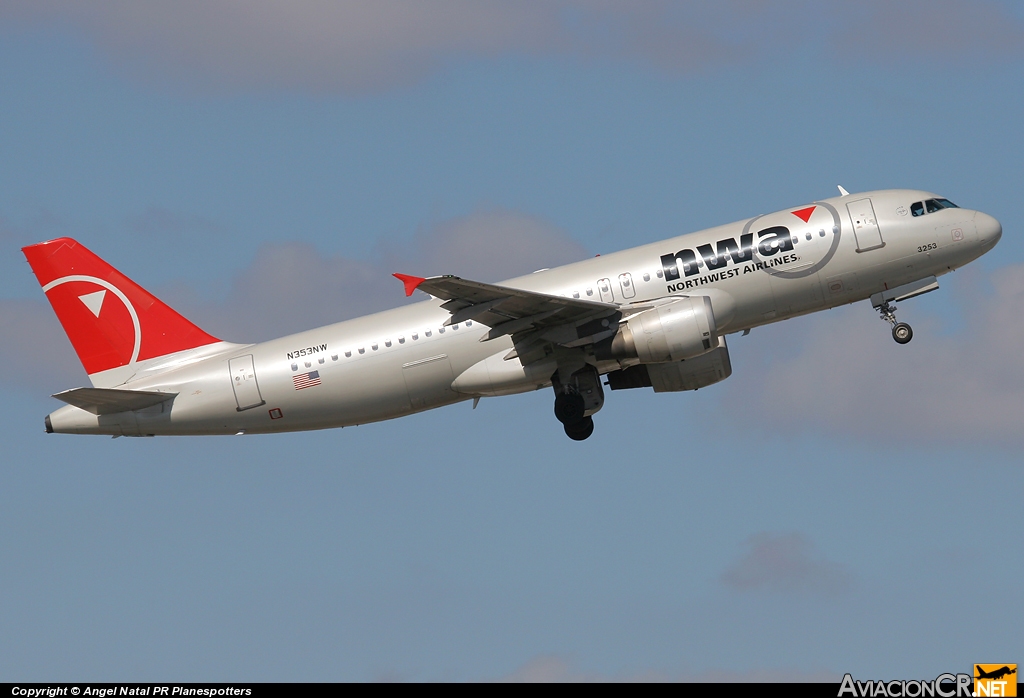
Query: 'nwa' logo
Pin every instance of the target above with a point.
(771, 241)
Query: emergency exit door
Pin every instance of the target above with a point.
(865, 226)
(243, 381)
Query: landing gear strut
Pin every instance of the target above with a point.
(901, 331)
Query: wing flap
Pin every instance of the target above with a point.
(511, 310)
(111, 400)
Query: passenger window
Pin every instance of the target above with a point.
(373, 346)
(415, 336)
(440, 330)
(401, 340)
(917, 209)
(308, 364)
(455, 326)
(320, 360)
(469, 323)
(334, 357)
(647, 277)
(590, 291)
(576, 295)
(348, 354)
(295, 367)
(362, 350)
(387, 343)
(658, 273)
(427, 333)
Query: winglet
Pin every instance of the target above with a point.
(411, 282)
(842, 192)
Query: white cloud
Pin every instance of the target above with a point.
(34, 351)
(343, 46)
(291, 287)
(843, 374)
(316, 45)
(488, 246)
(785, 563)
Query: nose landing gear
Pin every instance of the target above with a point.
(901, 331)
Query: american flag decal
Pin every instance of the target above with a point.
(306, 380)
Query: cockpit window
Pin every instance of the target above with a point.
(931, 206)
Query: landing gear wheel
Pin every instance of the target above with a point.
(569, 408)
(581, 430)
(902, 333)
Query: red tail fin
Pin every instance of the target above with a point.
(110, 320)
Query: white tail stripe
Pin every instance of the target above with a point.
(117, 292)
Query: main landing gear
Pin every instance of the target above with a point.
(577, 399)
(901, 331)
(571, 412)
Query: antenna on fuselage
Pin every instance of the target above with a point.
(842, 192)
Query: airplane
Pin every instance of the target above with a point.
(654, 316)
(995, 674)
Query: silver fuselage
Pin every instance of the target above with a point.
(404, 360)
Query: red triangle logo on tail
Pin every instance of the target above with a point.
(804, 214)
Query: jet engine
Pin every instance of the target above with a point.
(681, 329)
(691, 374)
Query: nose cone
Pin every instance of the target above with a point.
(989, 230)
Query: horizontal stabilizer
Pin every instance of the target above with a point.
(110, 400)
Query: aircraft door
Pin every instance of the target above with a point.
(604, 287)
(626, 284)
(243, 381)
(865, 225)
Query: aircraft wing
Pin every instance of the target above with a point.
(110, 400)
(531, 318)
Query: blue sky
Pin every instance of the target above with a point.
(840, 504)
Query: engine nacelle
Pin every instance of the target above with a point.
(681, 329)
(692, 374)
